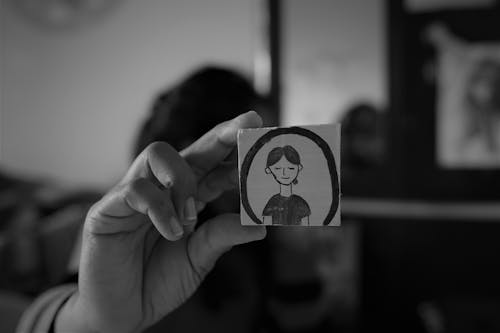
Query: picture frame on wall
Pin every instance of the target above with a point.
(444, 77)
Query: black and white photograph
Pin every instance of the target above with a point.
(249, 166)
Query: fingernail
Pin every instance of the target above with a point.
(176, 227)
(190, 209)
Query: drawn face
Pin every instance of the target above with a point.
(283, 171)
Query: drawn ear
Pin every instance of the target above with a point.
(300, 167)
(268, 171)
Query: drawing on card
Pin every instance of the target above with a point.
(285, 207)
(290, 176)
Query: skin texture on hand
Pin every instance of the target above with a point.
(140, 257)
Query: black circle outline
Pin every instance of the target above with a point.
(325, 148)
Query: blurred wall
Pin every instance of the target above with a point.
(72, 99)
(333, 56)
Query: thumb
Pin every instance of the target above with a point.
(217, 236)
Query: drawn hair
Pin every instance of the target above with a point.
(277, 153)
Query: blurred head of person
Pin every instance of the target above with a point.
(205, 98)
(189, 109)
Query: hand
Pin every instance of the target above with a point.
(140, 259)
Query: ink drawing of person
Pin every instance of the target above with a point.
(285, 207)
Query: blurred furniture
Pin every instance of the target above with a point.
(12, 306)
(419, 258)
(421, 210)
(39, 226)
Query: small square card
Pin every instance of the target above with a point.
(290, 175)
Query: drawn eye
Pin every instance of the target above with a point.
(292, 168)
(277, 168)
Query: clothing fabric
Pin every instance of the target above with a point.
(287, 210)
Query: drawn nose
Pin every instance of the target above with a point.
(284, 172)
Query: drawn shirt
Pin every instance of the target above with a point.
(286, 210)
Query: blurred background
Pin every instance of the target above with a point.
(87, 84)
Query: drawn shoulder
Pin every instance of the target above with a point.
(302, 205)
(271, 205)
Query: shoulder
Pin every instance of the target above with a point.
(300, 203)
(274, 199)
(272, 204)
(298, 200)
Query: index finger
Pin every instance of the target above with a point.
(213, 147)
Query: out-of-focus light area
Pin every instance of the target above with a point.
(73, 93)
(333, 56)
(76, 84)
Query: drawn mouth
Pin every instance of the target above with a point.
(285, 177)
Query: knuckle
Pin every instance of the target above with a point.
(94, 221)
(221, 135)
(92, 217)
(94, 212)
